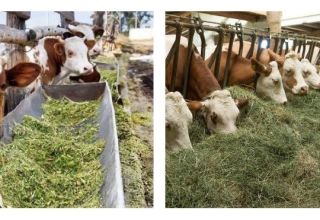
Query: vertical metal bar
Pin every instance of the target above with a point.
(294, 45)
(253, 41)
(218, 56)
(276, 44)
(304, 49)
(228, 62)
(311, 50)
(287, 48)
(299, 47)
(188, 62)
(213, 57)
(281, 46)
(176, 57)
(240, 36)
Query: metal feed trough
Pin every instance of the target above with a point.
(188, 26)
(112, 188)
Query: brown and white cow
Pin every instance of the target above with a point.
(178, 119)
(293, 80)
(202, 88)
(93, 35)
(243, 72)
(60, 58)
(310, 74)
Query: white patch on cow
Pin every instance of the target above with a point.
(310, 74)
(39, 55)
(170, 39)
(78, 63)
(271, 86)
(178, 119)
(84, 29)
(220, 112)
(292, 67)
(97, 48)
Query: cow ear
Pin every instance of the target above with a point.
(241, 103)
(280, 63)
(67, 34)
(98, 31)
(59, 48)
(22, 74)
(90, 43)
(194, 106)
(260, 67)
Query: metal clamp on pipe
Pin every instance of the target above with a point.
(253, 42)
(200, 31)
(240, 36)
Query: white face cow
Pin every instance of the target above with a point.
(269, 84)
(219, 110)
(178, 119)
(310, 74)
(292, 75)
(93, 35)
(76, 52)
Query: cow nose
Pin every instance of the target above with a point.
(284, 103)
(304, 89)
(87, 69)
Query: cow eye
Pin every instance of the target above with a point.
(214, 117)
(3, 87)
(275, 81)
(289, 72)
(306, 73)
(70, 53)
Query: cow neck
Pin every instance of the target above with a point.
(55, 61)
(202, 81)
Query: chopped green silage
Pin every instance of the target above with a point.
(272, 160)
(54, 161)
(135, 153)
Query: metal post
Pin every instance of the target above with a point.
(176, 56)
(188, 62)
(228, 62)
(218, 56)
(253, 41)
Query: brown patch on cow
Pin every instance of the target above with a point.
(194, 106)
(92, 77)
(201, 80)
(22, 74)
(241, 103)
(260, 68)
(291, 81)
(90, 43)
(56, 58)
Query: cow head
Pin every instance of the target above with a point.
(219, 110)
(93, 36)
(310, 74)
(292, 74)
(178, 119)
(269, 83)
(20, 75)
(74, 52)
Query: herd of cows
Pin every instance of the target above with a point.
(55, 60)
(276, 75)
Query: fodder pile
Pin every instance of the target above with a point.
(272, 161)
(54, 161)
